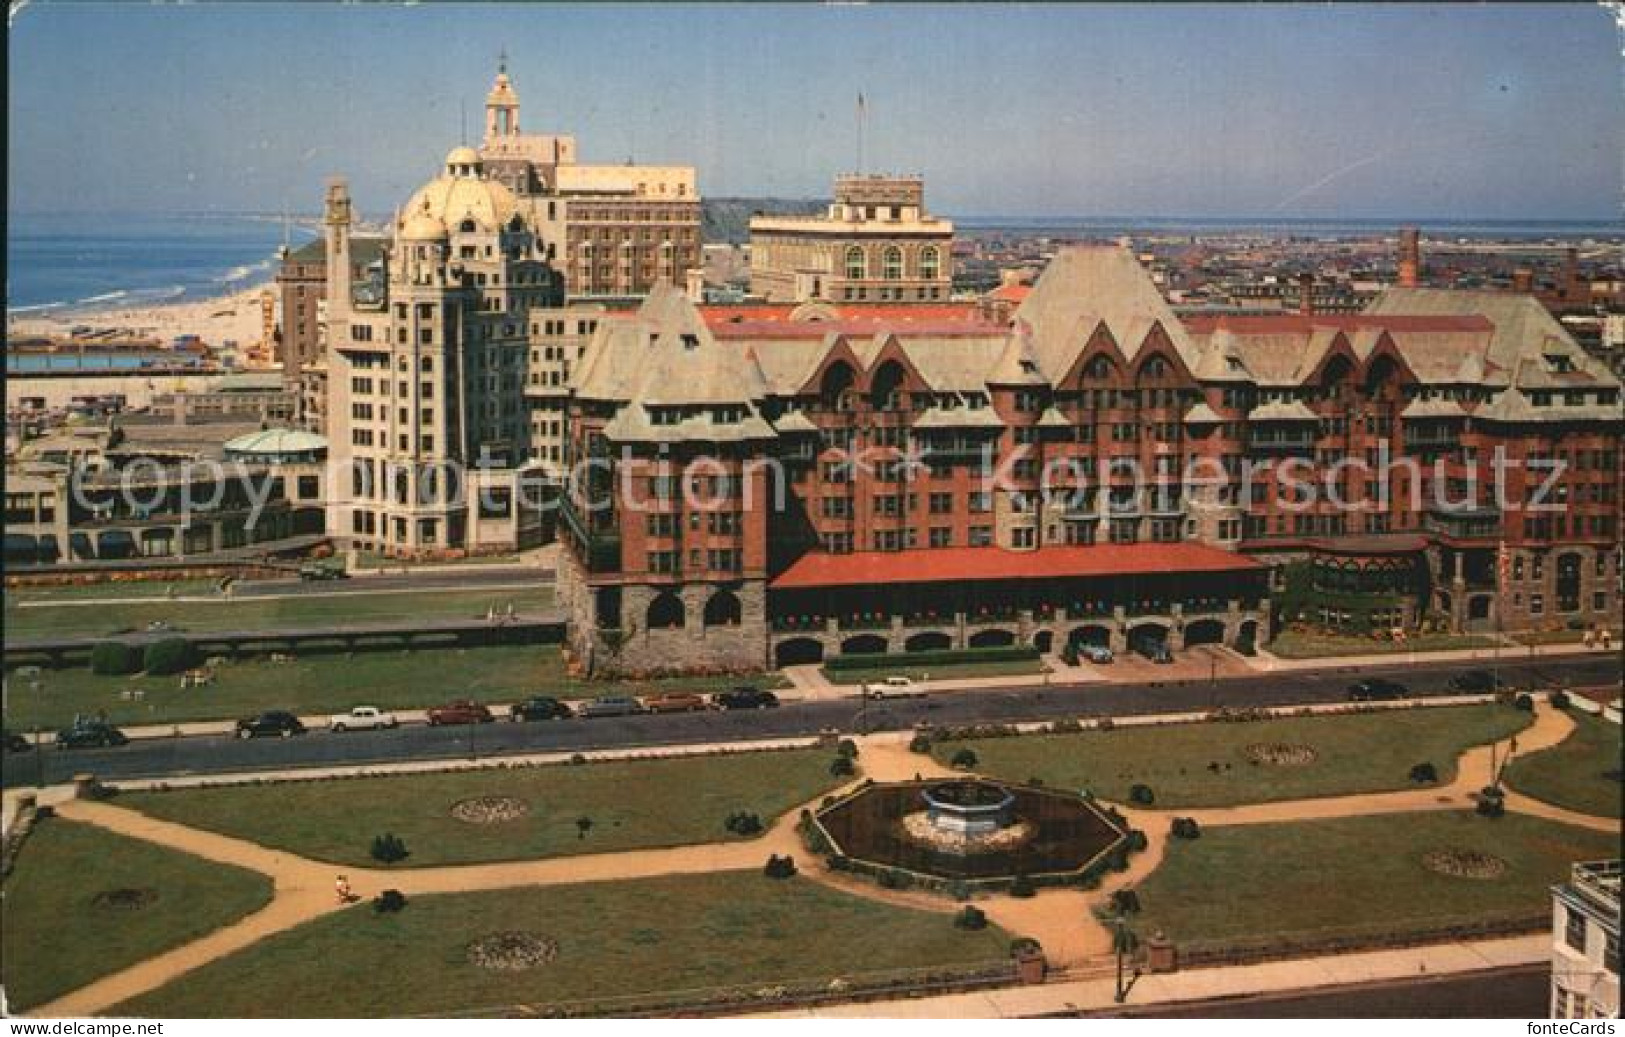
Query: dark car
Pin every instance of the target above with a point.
(12, 742)
(278, 722)
(540, 707)
(746, 698)
(90, 734)
(461, 711)
(610, 706)
(1475, 680)
(1375, 689)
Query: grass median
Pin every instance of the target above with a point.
(83, 903)
(1222, 764)
(562, 809)
(608, 940)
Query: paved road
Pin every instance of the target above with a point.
(1522, 992)
(470, 577)
(168, 757)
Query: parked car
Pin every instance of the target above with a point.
(322, 572)
(1376, 688)
(90, 734)
(891, 688)
(610, 706)
(1152, 647)
(461, 711)
(1476, 680)
(363, 718)
(675, 702)
(540, 707)
(277, 722)
(1096, 653)
(745, 698)
(12, 742)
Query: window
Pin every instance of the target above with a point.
(856, 266)
(942, 536)
(930, 264)
(892, 263)
(981, 536)
(1574, 929)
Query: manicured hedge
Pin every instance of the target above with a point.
(915, 660)
(115, 658)
(171, 655)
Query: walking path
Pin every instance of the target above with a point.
(1058, 919)
(1510, 651)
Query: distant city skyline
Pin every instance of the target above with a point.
(1028, 111)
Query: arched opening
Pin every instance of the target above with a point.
(836, 383)
(1044, 641)
(1247, 637)
(665, 611)
(1204, 632)
(930, 263)
(21, 549)
(723, 610)
(857, 266)
(992, 639)
(1149, 640)
(1099, 369)
(798, 651)
(1334, 377)
(928, 641)
(115, 543)
(1093, 634)
(1479, 611)
(891, 263)
(883, 386)
(1568, 582)
(1382, 377)
(864, 644)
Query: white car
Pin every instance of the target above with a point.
(891, 688)
(363, 718)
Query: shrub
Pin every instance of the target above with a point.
(1525, 702)
(1185, 828)
(1424, 773)
(926, 660)
(388, 848)
(1559, 699)
(895, 878)
(576, 759)
(583, 826)
(847, 748)
(971, 918)
(1126, 901)
(841, 767)
(741, 823)
(1136, 841)
(1117, 859)
(171, 655)
(780, 867)
(1065, 727)
(115, 659)
(920, 743)
(1142, 795)
(1022, 886)
(388, 902)
(1491, 807)
(1022, 946)
(1105, 724)
(963, 760)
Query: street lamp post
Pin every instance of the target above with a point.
(1121, 940)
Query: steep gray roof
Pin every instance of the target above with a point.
(1086, 285)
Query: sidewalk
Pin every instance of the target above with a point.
(1095, 994)
(1267, 663)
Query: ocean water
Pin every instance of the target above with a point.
(74, 262)
(1111, 226)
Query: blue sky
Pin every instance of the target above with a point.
(1021, 110)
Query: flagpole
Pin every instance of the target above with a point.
(860, 135)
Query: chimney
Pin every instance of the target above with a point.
(1523, 280)
(1410, 257)
(1306, 294)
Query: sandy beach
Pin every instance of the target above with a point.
(234, 318)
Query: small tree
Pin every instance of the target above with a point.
(1126, 901)
(847, 748)
(1135, 841)
(743, 823)
(780, 867)
(841, 767)
(1424, 774)
(388, 849)
(115, 659)
(1559, 699)
(1185, 828)
(388, 902)
(971, 918)
(964, 759)
(920, 743)
(1525, 702)
(171, 655)
(1142, 795)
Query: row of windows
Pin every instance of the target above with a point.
(927, 264)
(716, 522)
(725, 559)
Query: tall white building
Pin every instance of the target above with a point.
(1585, 942)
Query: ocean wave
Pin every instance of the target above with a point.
(244, 272)
(36, 308)
(108, 297)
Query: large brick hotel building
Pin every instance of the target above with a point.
(751, 492)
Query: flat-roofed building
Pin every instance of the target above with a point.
(1585, 942)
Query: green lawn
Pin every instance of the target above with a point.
(632, 804)
(373, 560)
(1362, 752)
(343, 604)
(898, 666)
(1354, 876)
(55, 936)
(1293, 644)
(614, 939)
(1559, 637)
(109, 589)
(1581, 773)
(391, 678)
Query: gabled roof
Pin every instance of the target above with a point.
(1085, 285)
(665, 355)
(1018, 364)
(1293, 410)
(1433, 409)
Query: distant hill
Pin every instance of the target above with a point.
(727, 220)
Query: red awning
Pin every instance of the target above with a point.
(953, 564)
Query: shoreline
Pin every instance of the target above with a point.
(230, 317)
